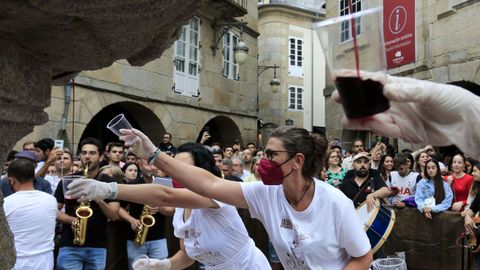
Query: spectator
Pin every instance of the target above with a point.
(252, 146)
(460, 182)
(63, 166)
(29, 146)
(227, 172)
(403, 182)
(433, 195)
(116, 153)
(238, 168)
(31, 217)
(385, 167)
(357, 147)
(218, 156)
(10, 158)
(39, 183)
(131, 157)
(167, 146)
(420, 161)
(247, 158)
(469, 165)
(475, 189)
(254, 175)
(130, 172)
(228, 153)
(42, 149)
(335, 173)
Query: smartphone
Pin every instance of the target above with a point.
(58, 144)
(207, 129)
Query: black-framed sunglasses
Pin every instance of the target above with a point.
(269, 153)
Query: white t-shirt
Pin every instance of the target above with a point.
(347, 163)
(323, 236)
(218, 238)
(39, 166)
(406, 185)
(31, 217)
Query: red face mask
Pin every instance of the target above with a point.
(271, 172)
(177, 184)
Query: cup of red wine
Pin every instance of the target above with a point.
(353, 46)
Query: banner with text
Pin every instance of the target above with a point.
(399, 31)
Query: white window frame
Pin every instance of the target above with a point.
(345, 31)
(187, 60)
(295, 56)
(295, 98)
(229, 65)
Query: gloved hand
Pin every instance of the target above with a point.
(138, 142)
(90, 189)
(424, 112)
(152, 264)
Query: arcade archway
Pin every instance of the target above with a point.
(223, 130)
(138, 115)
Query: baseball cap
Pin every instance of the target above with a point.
(361, 155)
(26, 154)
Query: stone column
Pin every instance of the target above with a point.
(25, 85)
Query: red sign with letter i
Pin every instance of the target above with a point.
(399, 32)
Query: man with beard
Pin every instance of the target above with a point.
(364, 184)
(92, 254)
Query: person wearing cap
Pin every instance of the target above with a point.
(364, 185)
(39, 183)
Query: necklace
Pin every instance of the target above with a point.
(305, 189)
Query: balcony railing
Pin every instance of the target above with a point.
(230, 8)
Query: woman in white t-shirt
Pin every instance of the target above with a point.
(311, 224)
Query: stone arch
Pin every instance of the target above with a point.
(222, 130)
(138, 115)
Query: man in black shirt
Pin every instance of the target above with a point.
(364, 184)
(155, 245)
(92, 254)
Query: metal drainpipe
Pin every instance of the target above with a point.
(313, 81)
(68, 92)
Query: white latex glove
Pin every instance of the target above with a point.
(138, 142)
(152, 264)
(424, 112)
(90, 189)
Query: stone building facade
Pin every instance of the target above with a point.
(447, 50)
(185, 90)
(288, 40)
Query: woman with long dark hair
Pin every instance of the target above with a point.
(433, 195)
(385, 167)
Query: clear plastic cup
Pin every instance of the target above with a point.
(117, 123)
(347, 53)
(390, 264)
(137, 264)
(66, 180)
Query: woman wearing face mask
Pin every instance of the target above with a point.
(433, 195)
(460, 182)
(290, 203)
(210, 232)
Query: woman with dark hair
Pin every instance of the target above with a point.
(385, 167)
(420, 161)
(130, 171)
(433, 195)
(469, 165)
(474, 207)
(291, 203)
(460, 182)
(410, 161)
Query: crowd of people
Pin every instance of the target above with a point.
(284, 185)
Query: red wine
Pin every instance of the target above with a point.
(361, 98)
